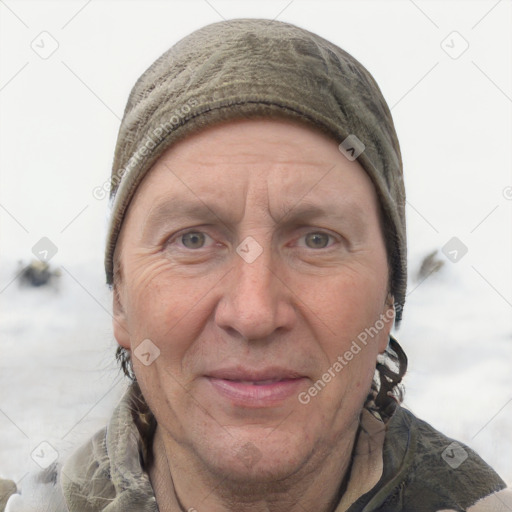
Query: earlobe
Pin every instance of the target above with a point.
(119, 323)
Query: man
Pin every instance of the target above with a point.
(257, 256)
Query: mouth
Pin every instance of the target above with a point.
(250, 388)
(257, 382)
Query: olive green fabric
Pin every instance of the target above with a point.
(107, 474)
(246, 68)
(417, 477)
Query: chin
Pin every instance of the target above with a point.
(255, 458)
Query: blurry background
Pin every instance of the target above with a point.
(445, 68)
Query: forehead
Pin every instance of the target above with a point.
(266, 163)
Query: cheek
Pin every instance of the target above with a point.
(348, 308)
(350, 301)
(165, 307)
(147, 299)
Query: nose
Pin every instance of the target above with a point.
(257, 302)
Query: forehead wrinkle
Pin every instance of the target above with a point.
(287, 207)
(212, 209)
(173, 207)
(309, 211)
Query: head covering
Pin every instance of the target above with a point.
(247, 68)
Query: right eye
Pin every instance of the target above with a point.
(193, 239)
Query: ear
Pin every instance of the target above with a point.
(388, 318)
(119, 321)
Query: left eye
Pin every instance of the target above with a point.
(193, 240)
(317, 240)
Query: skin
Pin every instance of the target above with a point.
(298, 305)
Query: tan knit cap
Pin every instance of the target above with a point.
(246, 68)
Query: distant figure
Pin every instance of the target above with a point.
(429, 265)
(37, 273)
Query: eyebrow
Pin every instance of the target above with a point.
(305, 210)
(174, 208)
(289, 214)
(180, 207)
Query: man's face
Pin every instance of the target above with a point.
(252, 258)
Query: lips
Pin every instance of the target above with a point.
(258, 382)
(255, 388)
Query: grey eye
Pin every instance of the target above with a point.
(317, 240)
(193, 240)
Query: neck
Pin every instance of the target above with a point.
(182, 483)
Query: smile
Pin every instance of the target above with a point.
(256, 393)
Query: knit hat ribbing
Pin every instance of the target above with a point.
(247, 68)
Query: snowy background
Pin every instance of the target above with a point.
(59, 116)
